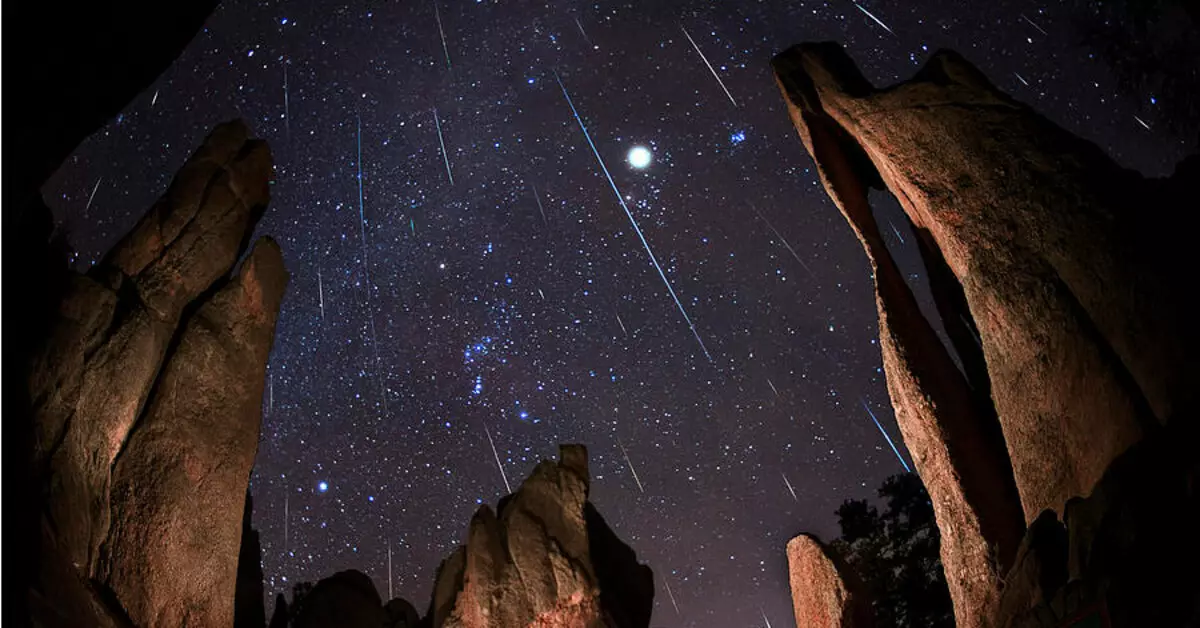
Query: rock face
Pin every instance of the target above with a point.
(546, 560)
(1063, 275)
(825, 592)
(82, 64)
(947, 422)
(146, 398)
(1058, 290)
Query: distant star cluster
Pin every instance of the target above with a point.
(514, 225)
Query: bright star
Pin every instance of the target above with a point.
(639, 157)
(322, 486)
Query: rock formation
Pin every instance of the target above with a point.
(248, 609)
(80, 65)
(1055, 273)
(146, 398)
(947, 427)
(546, 559)
(825, 593)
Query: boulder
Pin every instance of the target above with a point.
(825, 591)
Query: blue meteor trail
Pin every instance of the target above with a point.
(885, 436)
(367, 270)
(636, 228)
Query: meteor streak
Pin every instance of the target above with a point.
(632, 221)
(320, 293)
(92, 196)
(583, 32)
(445, 156)
(772, 385)
(628, 461)
(1034, 24)
(1022, 79)
(367, 271)
(155, 99)
(538, 197)
(783, 240)
(671, 595)
(497, 457)
(622, 324)
(789, 487)
(896, 231)
(1142, 122)
(877, 20)
(710, 67)
(438, 15)
(885, 436)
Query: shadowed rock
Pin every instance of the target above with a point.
(547, 560)
(248, 609)
(347, 599)
(825, 591)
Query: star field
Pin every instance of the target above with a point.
(465, 274)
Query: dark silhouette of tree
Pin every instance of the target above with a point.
(896, 554)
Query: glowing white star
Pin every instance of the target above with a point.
(639, 157)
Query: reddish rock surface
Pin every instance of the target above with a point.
(191, 452)
(950, 430)
(545, 561)
(1084, 342)
(825, 593)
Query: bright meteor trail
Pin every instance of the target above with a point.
(438, 16)
(783, 240)
(629, 214)
(631, 469)
(885, 436)
(710, 67)
(441, 142)
(497, 457)
(362, 218)
(877, 20)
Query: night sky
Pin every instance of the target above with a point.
(498, 286)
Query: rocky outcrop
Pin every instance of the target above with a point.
(146, 397)
(81, 64)
(1084, 336)
(826, 593)
(546, 559)
(948, 424)
(1056, 275)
